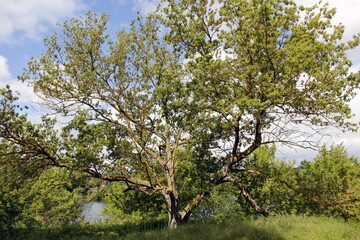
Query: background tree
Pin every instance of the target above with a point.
(269, 181)
(10, 207)
(330, 184)
(51, 199)
(48, 199)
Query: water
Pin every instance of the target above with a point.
(92, 212)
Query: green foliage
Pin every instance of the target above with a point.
(248, 58)
(331, 183)
(194, 170)
(50, 199)
(23, 156)
(268, 180)
(130, 207)
(327, 185)
(10, 208)
(221, 205)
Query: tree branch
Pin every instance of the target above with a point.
(247, 196)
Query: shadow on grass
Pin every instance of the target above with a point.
(280, 227)
(84, 231)
(148, 231)
(200, 231)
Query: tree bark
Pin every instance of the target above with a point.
(186, 213)
(173, 209)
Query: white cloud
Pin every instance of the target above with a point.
(29, 18)
(4, 69)
(26, 93)
(347, 12)
(145, 6)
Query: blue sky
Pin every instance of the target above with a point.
(25, 23)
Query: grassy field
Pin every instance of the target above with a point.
(281, 227)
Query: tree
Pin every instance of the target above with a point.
(10, 208)
(261, 72)
(331, 183)
(227, 77)
(328, 184)
(48, 199)
(121, 96)
(51, 199)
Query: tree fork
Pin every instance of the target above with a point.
(173, 209)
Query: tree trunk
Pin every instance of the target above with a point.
(173, 210)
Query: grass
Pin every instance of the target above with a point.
(281, 227)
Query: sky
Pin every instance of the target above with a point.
(25, 23)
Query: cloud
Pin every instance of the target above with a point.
(4, 69)
(143, 6)
(27, 19)
(26, 93)
(27, 96)
(121, 2)
(347, 12)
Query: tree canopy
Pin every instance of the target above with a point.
(186, 94)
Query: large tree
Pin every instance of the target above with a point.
(226, 78)
(261, 72)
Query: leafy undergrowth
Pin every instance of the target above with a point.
(281, 227)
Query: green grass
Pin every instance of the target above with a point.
(281, 227)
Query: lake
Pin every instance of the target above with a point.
(92, 212)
